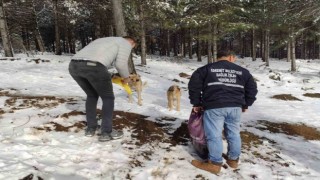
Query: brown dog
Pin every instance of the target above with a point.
(134, 84)
(173, 95)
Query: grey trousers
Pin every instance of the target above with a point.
(95, 81)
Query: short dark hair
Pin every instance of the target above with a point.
(130, 37)
(225, 53)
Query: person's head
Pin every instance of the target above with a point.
(131, 40)
(226, 54)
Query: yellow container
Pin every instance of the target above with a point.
(118, 80)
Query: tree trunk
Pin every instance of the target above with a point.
(168, 43)
(314, 49)
(215, 42)
(175, 44)
(72, 43)
(280, 53)
(121, 27)
(262, 45)
(280, 49)
(190, 44)
(111, 30)
(66, 35)
(5, 33)
(162, 42)
(289, 50)
(318, 47)
(245, 46)
(253, 46)
(64, 45)
(56, 27)
(309, 44)
(152, 45)
(267, 47)
(183, 42)
(82, 38)
(143, 36)
(97, 30)
(304, 46)
(97, 23)
(293, 53)
(24, 33)
(36, 29)
(118, 17)
(39, 40)
(199, 50)
(241, 45)
(209, 45)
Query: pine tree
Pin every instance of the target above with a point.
(5, 32)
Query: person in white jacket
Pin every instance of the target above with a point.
(89, 68)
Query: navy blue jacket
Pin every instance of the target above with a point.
(222, 84)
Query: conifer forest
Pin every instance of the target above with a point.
(285, 30)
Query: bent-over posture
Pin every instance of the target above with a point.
(89, 68)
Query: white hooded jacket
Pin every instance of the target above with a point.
(108, 51)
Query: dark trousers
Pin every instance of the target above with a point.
(95, 81)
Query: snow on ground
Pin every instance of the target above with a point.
(36, 99)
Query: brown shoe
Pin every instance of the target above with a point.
(232, 163)
(207, 166)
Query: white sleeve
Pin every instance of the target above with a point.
(121, 62)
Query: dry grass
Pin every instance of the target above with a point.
(308, 133)
(312, 95)
(249, 139)
(286, 97)
(72, 113)
(53, 126)
(184, 75)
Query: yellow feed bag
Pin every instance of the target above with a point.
(118, 80)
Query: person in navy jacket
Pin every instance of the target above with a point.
(222, 90)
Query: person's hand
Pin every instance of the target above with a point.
(125, 80)
(197, 109)
(244, 110)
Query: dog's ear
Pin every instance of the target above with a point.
(136, 75)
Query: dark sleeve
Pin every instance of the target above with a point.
(195, 87)
(250, 91)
